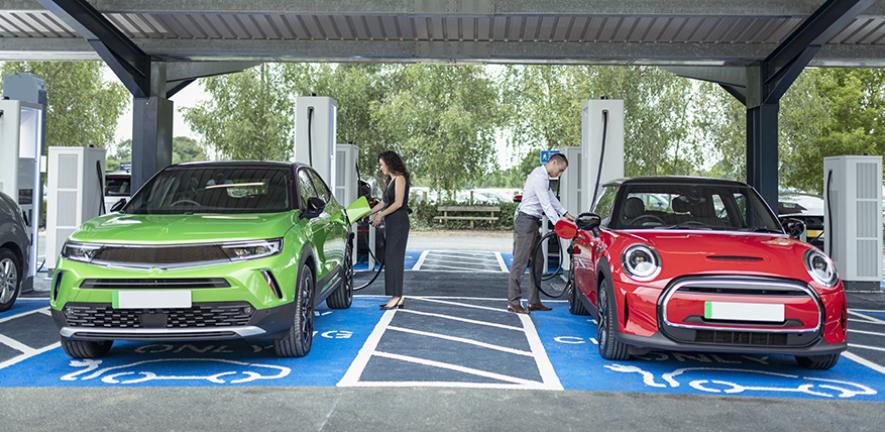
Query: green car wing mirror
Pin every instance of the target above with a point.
(358, 209)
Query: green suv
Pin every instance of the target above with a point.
(208, 251)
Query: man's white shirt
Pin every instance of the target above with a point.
(537, 197)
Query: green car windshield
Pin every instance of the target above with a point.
(223, 189)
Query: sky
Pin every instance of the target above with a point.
(194, 94)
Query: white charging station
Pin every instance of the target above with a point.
(853, 219)
(22, 137)
(601, 159)
(578, 184)
(347, 158)
(316, 119)
(315, 135)
(74, 185)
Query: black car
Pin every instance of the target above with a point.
(14, 249)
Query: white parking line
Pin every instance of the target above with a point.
(545, 367)
(352, 376)
(454, 318)
(865, 321)
(24, 357)
(866, 317)
(866, 310)
(18, 346)
(462, 340)
(12, 317)
(450, 384)
(420, 260)
(868, 347)
(427, 299)
(864, 362)
(866, 332)
(445, 267)
(501, 262)
(457, 368)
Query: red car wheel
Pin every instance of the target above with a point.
(610, 348)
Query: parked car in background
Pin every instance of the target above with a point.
(807, 208)
(715, 272)
(117, 187)
(14, 251)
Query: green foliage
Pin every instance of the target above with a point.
(357, 89)
(442, 119)
(423, 217)
(546, 104)
(76, 97)
(249, 115)
(826, 112)
(184, 149)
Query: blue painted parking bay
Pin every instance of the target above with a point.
(433, 342)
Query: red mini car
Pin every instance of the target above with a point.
(693, 264)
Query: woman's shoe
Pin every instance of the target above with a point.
(401, 304)
(396, 305)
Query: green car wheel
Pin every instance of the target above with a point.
(86, 349)
(299, 338)
(342, 297)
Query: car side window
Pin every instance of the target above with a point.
(305, 188)
(320, 186)
(605, 204)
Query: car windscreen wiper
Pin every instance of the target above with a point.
(762, 230)
(687, 226)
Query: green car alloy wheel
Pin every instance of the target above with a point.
(208, 251)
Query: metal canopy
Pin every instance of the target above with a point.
(669, 32)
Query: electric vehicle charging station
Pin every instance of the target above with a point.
(853, 219)
(22, 138)
(315, 135)
(347, 158)
(316, 119)
(599, 159)
(571, 188)
(75, 185)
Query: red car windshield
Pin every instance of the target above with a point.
(701, 206)
(188, 190)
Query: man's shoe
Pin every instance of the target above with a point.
(517, 309)
(539, 307)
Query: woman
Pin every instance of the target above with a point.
(393, 209)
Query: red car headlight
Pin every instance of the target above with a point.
(641, 262)
(821, 268)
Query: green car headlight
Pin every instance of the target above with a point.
(247, 250)
(83, 252)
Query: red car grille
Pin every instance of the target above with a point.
(682, 317)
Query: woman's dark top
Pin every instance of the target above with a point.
(390, 198)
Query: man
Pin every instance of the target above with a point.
(538, 200)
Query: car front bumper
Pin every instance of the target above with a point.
(659, 342)
(264, 323)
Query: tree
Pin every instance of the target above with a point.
(443, 120)
(186, 149)
(546, 103)
(826, 112)
(76, 97)
(249, 115)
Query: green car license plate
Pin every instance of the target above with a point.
(729, 311)
(152, 299)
